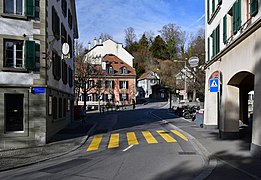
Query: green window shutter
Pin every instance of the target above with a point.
(238, 14)
(213, 6)
(225, 29)
(213, 44)
(234, 18)
(253, 7)
(30, 55)
(208, 49)
(219, 2)
(30, 8)
(207, 10)
(218, 39)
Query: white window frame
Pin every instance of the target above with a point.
(15, 7)
(14, 53)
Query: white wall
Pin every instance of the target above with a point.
(111, 47)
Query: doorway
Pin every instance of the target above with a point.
(14, 112)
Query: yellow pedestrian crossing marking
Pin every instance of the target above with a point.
(114, 141)
(95, 143)
(149, 138)
(165, 136)
(180, 135)
(131, 137)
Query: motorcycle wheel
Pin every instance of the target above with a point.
(186, 115)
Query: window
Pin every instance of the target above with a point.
(14, 112)
(56, 66)
(124, 84)
(253, 8)
(109, 84)
(215, 41)
(55, 24)
(65, 69)
(63, 34)
(60, 107)
(124, 97)
(71, 46)
(64, 7)
(50, 105)
(99, 84)
(64, 107)
(54, 108)
(14, 54)
(68, 105)
(70, 77)
(110, 70)
(13, 7)
(236, 11)
(70, 18)
(123, 70)
(90, 83)
(109, 97)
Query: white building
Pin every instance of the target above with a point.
(109, 46)
(233, 46)
(146, 81)
(36, 81)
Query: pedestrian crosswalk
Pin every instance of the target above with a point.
(151, 137)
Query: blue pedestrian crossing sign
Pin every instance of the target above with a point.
(214, 85)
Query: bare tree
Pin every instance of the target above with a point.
(105, 37)
(130, 36)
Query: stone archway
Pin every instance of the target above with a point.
(235, 110)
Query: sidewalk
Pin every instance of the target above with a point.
(65, 141)
(227, 159)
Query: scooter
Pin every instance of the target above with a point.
(190, 112)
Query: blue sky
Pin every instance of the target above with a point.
(114, 16)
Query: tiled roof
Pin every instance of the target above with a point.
(148, 75)
(117, 64)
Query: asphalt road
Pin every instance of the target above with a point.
(131, 144)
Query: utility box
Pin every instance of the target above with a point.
(200, 118)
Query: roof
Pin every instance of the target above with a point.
(117, 64)
(149, 75)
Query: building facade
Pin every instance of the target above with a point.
(36, 80)
(146, 81)
(233, 59)
(115, 85)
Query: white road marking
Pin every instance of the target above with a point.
(128, 148)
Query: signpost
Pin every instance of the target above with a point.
(214, 85)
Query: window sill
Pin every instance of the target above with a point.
(13, 16)
(214, 14)
(14, 69)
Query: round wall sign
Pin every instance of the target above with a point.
(65, 48)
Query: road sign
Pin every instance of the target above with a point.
(214, 85)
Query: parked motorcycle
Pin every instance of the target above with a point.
(190, 112)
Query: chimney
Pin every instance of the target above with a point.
(100, 41)
(94, 42)
(89, 45)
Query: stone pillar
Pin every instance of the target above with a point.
(229, 116)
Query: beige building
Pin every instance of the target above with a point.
(233, 47)
(36, 80)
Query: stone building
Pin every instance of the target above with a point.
(36, 79)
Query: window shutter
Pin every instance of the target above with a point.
(208, 49)
(213, 6)
(120, 97)
(225, 29)
(219, 2)
(127, 97)
(213, 44)
(208, 10)
(234, 9)
(120, 84)
(30, 55)
(127, 84)
(30, 8)
(238, 14)
(253, 7)
(218, 39)
(113, 85)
